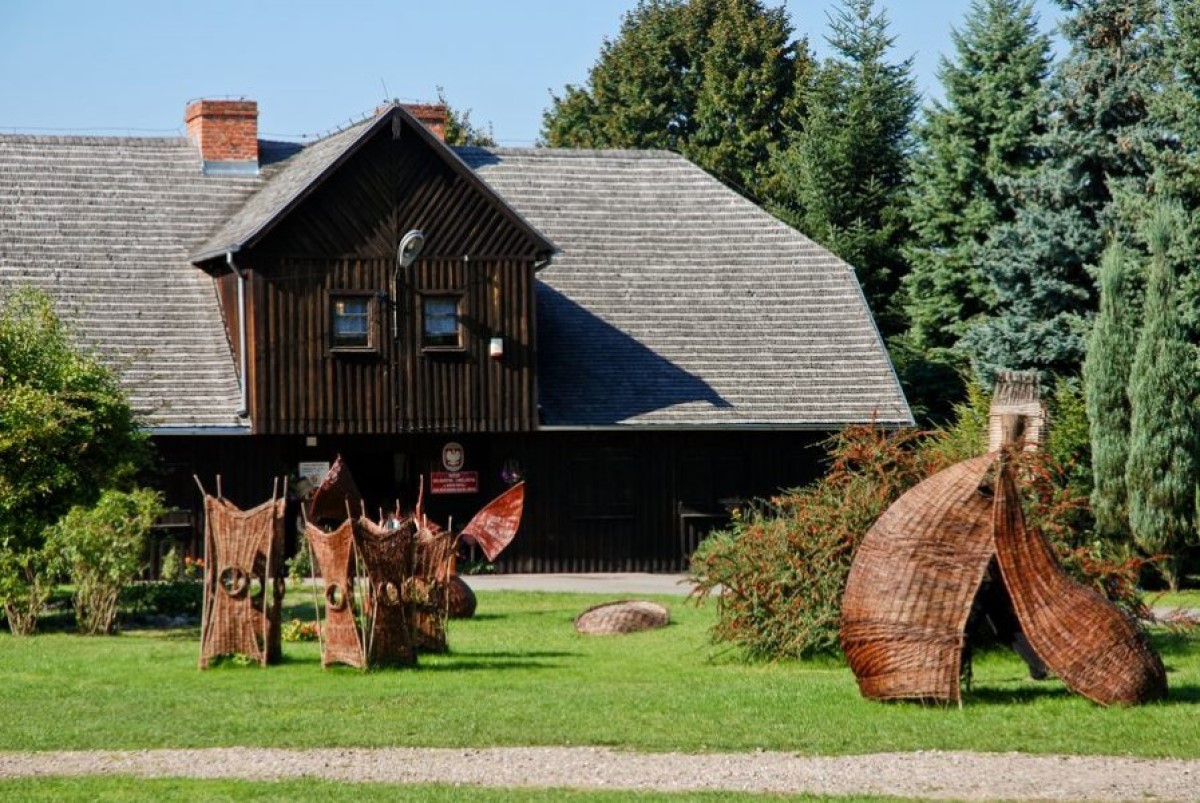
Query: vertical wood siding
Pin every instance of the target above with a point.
(595, 501)
(343, 237)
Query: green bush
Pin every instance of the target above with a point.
(163, 597)
(172, 565)
(782, 564)
(101, 547)
(299, 566)
(66, 431)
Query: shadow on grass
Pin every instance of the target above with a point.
(1026, 695)
(474, 661)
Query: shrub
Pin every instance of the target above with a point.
(163, 597)
(298, 630)
(66, 430)
(782, 564)
(101, 547)
(300, 566)
(172, 566)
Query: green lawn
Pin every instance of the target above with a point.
(519, 675)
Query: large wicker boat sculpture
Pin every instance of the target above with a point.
(243, 584)
(916, 575)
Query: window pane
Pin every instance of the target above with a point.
(441, 321)
(351, 322)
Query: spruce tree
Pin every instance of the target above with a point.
(843, 179)
(1164, 463)
(1040, 265)
(1106, 373)
(720, 81)
(982, 133)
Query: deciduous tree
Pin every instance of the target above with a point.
(66, 432)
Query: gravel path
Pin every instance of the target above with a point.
(965, 776)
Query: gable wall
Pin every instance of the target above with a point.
(343, 237)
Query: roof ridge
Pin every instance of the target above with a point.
(627, 153)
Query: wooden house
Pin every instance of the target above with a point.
(642, 345)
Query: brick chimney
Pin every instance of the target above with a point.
(226, 132)
(431, 115)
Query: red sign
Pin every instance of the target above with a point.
(454, 482)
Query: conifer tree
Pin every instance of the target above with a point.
(1164, 462)
(844, 177)
(982, 133)
(1106, 373)
(1177, 159)
(720, 81)
(1040, 266)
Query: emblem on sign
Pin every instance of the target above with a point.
(453, 456)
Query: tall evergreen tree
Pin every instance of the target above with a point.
(981, 134)
(1040, 265)
(1177, 178)
(1164, 456)
(720, 81)
(1106, 373)
(843, 179)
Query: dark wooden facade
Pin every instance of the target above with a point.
(596, 501)
(599, 500)
(341, 241)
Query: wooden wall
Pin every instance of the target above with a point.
(343, 237)
(595, 501)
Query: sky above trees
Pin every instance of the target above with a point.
(128, 66)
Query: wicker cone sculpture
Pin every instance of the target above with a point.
(910, 588)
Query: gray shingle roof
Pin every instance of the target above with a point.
(296, 179)
(105, 225)
(284, 189)
(676, 302)
(673, 301)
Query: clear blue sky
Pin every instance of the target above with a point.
(129, 66)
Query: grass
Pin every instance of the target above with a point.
(1177, 599)
(520, 675)
(102, 790)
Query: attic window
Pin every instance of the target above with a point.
(351, 322)
(441, 328)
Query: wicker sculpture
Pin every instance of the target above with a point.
(910, 588)
(335, 497)
(1095, 648)
(243, 588)
(388, 554)
(334, 552)
(433, 566)
(626, 616)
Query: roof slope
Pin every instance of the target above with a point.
(676, 302)
(319, 159)
(105, 225)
